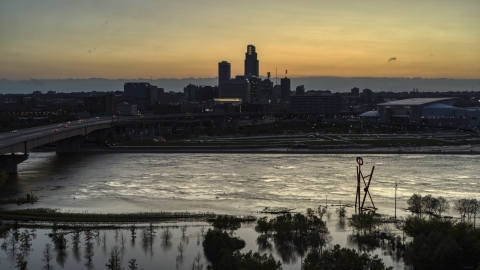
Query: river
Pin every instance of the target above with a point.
(241, 184)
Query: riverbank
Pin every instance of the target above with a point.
(52, 215)
(291, 149)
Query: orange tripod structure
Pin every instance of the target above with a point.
(361, 206)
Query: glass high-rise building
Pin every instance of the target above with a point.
(223, 72)
(251, 62)
(285, 94)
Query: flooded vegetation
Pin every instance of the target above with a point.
(269, 213)
(281, 241)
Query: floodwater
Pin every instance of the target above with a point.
(241, 184)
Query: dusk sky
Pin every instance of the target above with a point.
(56, 39)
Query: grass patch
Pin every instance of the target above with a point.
(396, 142)
(229, 143)
(198, 144)
(45, 214)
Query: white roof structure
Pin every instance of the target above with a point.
(440, 106)
(419, 101)
(369, 114)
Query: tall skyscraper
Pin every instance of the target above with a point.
(251, 62)
(267, 90)
(223, 72)
(255, 89)
(285, 94)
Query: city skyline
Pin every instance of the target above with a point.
(106, 39)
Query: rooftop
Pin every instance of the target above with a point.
(417, 101)
(369, 114)
(440, 106)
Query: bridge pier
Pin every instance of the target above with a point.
(69, 145)
(114, 133)
(8, 163)
(159, 125)
(224, 122)
(152, 130)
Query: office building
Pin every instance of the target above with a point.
(200, 93)
(127, 109)
(223, 72)
(141, 90)
(355, 92)
(236, 88)
(255, 89)
(318, 104)
(277, 93)
(189, 92)
(251, 62)
(300, 90)
(368, 94)
(267, 90)
(285, 90)
(101, 105)
(152, 94)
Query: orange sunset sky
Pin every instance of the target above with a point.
(55, 39)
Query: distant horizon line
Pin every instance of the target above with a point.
(216, 77)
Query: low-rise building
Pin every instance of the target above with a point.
(319, 104)
(127, 109)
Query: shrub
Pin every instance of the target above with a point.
(341, 258)
(364, 222)
(217, 244)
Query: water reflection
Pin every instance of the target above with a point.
(168, 245)
(263, 243)
(166, 239)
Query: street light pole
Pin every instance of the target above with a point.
(396, 186)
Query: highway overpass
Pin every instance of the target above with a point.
(68, 136)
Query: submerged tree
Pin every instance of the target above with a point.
(88, 246)
(166, 235)
(181, 249)
(415, 204)
(132, 264)
(441, 244)
(364, 222)
(442, 205)
(226, 223)
(217, 243)
(25, 241)
(21, 262)
(341, 212)
(467, 208)
(427, 204)
(76, 239)
(115, 259)
(249, 260)
(48, 255)
(342, 258)
(184, 230)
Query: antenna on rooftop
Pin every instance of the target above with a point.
(151, 78)
(268, 75)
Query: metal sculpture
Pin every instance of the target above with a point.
(359, 203)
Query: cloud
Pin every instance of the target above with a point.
(392, 59)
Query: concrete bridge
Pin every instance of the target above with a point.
(15, 145)
(68, 136)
